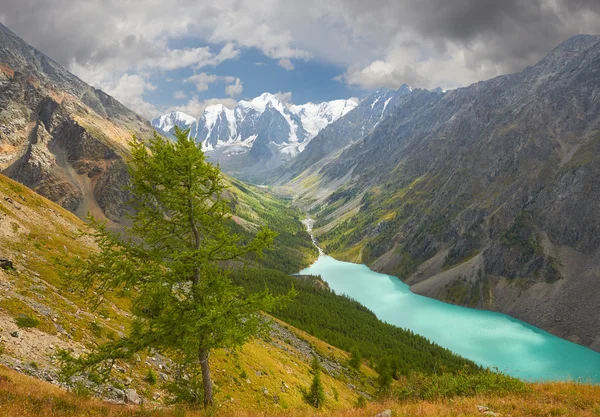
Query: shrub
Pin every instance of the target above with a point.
(26, 321)
(316, 394)
(355, 358)
(361, 402)
(96, 329)
(432, 387)
(151, 377)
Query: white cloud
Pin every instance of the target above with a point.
(179, 95)
(284, 97)
(129, 90)
(235, 89)
(286, 64)
(195, 107)
(203, 80)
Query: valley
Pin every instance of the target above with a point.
(414, 251)
(481, 196)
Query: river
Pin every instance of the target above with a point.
(490, 339)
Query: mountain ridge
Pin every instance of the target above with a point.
(482, 196)
(315, 115)
(60, 136)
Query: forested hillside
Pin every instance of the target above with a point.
(348, 325)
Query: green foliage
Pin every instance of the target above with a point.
(355, 358)
(27, 321)
(361, 402)
(151, 377)
(471, 293)
(172, 263)
(187, 386)
(80, 389)
(521, 235)
(315, 395)
(346, 324)
(384, 380)
(96, 329)
(434, 387)
(292, 248)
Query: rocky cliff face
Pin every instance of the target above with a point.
(345, 131)
(58, 135)
(485, 196)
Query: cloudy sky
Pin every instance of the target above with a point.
(157, 55)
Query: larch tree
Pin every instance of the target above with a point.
(172, 263)
(315, 395)
(355, 358)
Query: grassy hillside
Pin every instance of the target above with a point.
(268, 373)
(347, 324)
(23, 396)
(266, 377)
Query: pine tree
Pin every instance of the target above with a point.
(316, 394)
(385, 374)
(355, 358)
(170, 262)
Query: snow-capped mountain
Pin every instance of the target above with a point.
(263, 127)
(167, 122)
(315, 117)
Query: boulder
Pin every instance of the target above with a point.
(386, 413)
(6, 264)
(132, 397)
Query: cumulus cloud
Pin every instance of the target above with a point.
(284, 97)
(235, 89)
(203, 80)
(179, 95)
(378, 43)
(286, 64)
(195, 107)
(130, 90)
(449, 44)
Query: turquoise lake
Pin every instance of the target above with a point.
(489, 339)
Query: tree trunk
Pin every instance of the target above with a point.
(206, 381)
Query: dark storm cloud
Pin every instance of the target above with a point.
(380, 42)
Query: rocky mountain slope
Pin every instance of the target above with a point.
(338, 135)
(485, 196)
(258, 134)
(60, 136)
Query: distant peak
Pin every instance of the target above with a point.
(405, 88)
(266, 95)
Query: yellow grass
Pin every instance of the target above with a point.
(23, 396)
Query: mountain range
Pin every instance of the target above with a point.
(484, 196)
(259, 133)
